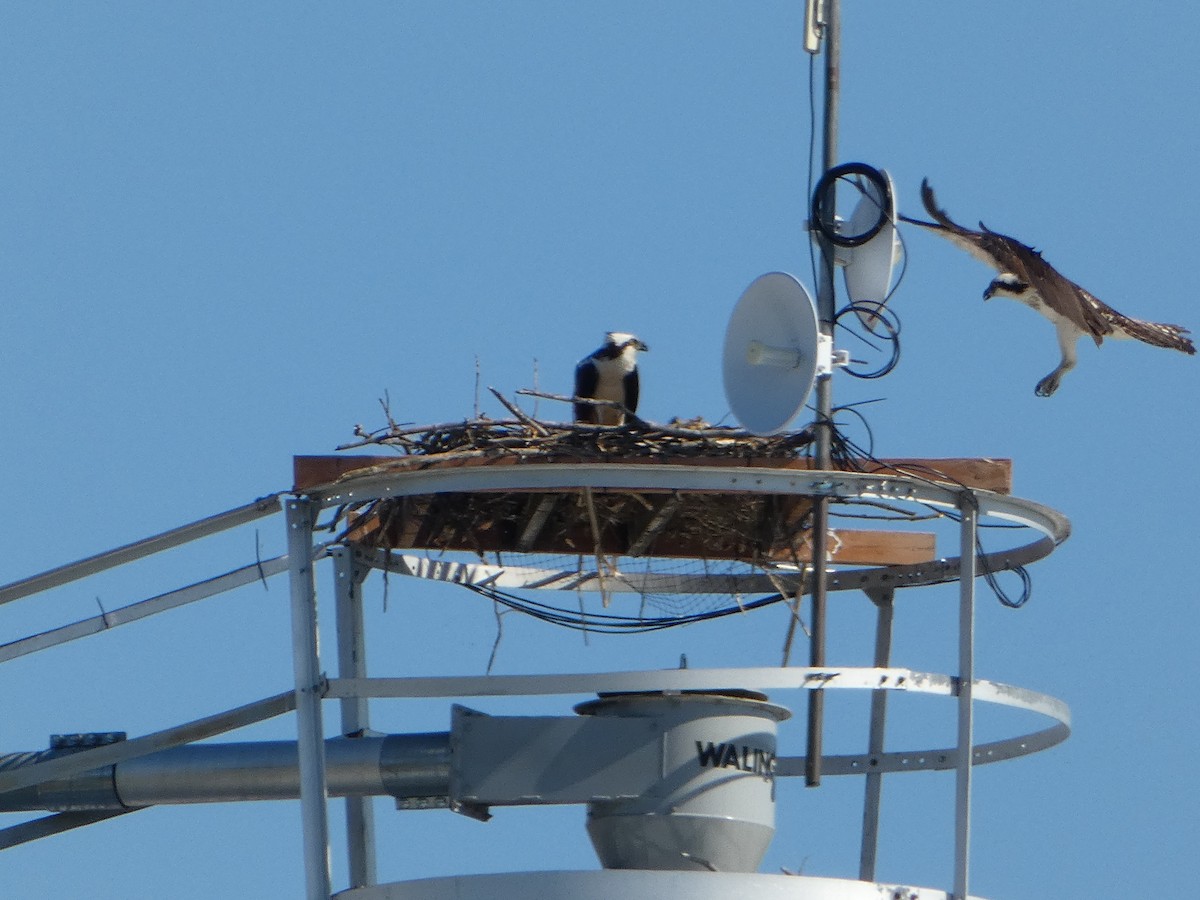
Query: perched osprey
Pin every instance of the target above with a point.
(1026, 277)
(609, 373)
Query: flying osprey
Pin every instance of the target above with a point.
(1026, 277)
(609, 373)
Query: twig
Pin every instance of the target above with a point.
(583, 614)
(262, 576)
(418, 461)
(386, 403)
(588, 401)
(537, 426)
(601, 562)
(499, 613)
(794, 606)
(402, 435)
(535, 386)
(707, 432)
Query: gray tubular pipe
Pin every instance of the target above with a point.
(398, 765)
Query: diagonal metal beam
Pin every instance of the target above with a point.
(143, 608)
(83, 760)
(55, 824)
(885, 610)
(264, 506)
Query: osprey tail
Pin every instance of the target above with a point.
(1157, 334)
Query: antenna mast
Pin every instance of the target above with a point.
(823, 16)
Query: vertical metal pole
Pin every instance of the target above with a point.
(306, 664)
(352, 663)
(875, 741)
(825, 311)
(966, 687)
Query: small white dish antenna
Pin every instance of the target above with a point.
(866, 244)
(868, 268)
(770, 359)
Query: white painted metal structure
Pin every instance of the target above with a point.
(352, 687)
(607, 884)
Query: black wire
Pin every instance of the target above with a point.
(846, 453)
(812, 153)
(989, 574)
(884, 318)
(607, 623)
(822, 215)
(850, 455)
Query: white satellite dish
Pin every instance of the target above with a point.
(770, 358)
(868, 267)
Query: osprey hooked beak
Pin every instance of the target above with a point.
(622, 339)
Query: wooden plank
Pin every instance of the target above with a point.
(310, 471)
(871, 548)
(982, 473)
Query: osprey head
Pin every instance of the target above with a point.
(621, 340)
(1007, 285)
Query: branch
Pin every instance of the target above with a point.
(516, 411)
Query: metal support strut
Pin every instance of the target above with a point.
(885, 606)
(969, 509)
(352, 663)
(309, 686)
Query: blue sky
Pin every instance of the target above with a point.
(227, 229)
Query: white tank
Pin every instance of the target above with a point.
(714, 808)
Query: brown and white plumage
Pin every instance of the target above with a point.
(1026, 277)
(609, 373)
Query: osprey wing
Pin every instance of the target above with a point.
(631, 391)
(995, 250)
(1061, 294)
(1007, 255)
(587, 376)
(978, 244)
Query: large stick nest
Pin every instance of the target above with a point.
(525, 436)
(583, 521)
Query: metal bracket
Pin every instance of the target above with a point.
(825, 354)
(814, 25)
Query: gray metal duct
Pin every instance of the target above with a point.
(672, 780)
(404, 766)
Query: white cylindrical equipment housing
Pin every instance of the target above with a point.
(714, 807)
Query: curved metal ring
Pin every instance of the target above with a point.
(773, 678)
(838, 485)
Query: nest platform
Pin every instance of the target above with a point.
(757, 528)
